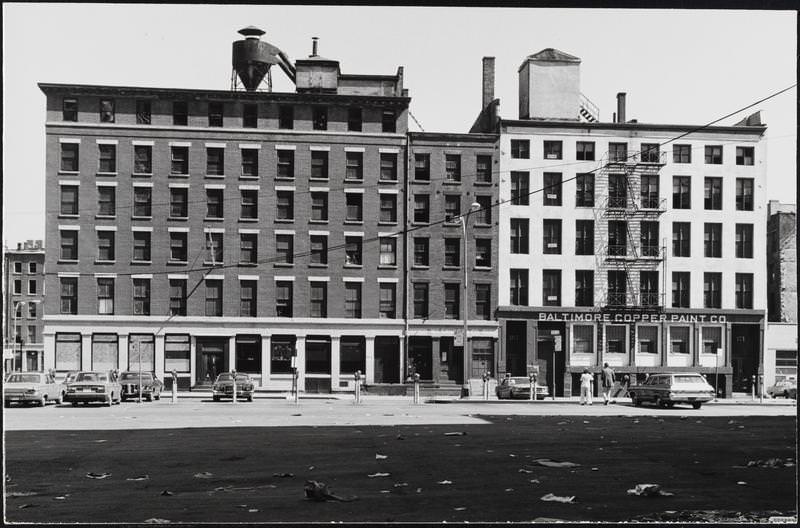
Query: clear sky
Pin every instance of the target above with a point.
(683, 67)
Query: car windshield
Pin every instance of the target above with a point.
(689, 379)
(228, 377)
(23, 378)
(135, 376)
(91, 376)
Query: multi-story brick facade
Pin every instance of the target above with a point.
(23, 289)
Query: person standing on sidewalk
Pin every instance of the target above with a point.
(586, 387)
(608, 382)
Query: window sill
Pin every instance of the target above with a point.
(178, 218)
(248, 220)
(317, 265)
(70, 216)
(387, 223)
(482, 183)
(65, 261)
(421, 182)
(353, 180)
(482, 226)
(284, 178)
(353, 266)
(420, 223)
(551, 205)
(248, 177)
(104, 217)
(283, 264)
(104, 262)
(451, 224)
(420, 267)
(248, 264)
(215, 176)
(141, 218)
(317, 221)
(451, 182)
(284, 220)
(387, 266)
(177, 262)
(106, 173)
(142, 174)
(482, 268)
(451, 268)
(353, 222)
(69, 173)
(213, 219)
(317, 179)
(591, 206)
(389, 181)
(176, 175)
(141, 262)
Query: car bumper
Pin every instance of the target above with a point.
(86, 397)
(692, 398)
(22, 398)
(229, 394)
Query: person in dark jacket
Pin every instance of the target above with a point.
(608, 382)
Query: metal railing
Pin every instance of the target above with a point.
(649, 298)
(651, 251)
(617, 298)
(617, 250)
(617, 202)
(589, 107)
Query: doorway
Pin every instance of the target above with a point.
(387, 359)
(419, 357)
(744, 355)
(516, 348)
(212, 358)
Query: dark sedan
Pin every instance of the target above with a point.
(150, 384)
(223, 387)
(519, 387)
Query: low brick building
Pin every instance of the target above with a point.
(23, 293)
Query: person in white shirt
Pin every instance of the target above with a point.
(586, 387)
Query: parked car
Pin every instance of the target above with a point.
(519, 387)
(223, 387)
(151, 385)
(665, 390)
(70, 377)
(94, 386)
(32, 387)
(785, 387)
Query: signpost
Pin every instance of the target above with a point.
(295, 388)
(137, 347)
(716, 373)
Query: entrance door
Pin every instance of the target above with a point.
(554, 375)
(744, 356)
(516, 348)
(419, 357)
(387, 360)
(211, 358)
(450, 360)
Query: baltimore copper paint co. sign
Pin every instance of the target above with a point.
(630, 317)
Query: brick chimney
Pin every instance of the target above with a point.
(621, 107)
(488, 82)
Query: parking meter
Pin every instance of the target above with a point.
(233, 375)
(485, 378)
(532, 386)
(416, 387)
(174, 374)
(357, 389)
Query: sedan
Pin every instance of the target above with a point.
(223, 387)
(665, 390)
(786, 388)
(151, 385)
(32, 387)
(94, 386)
(519, 387)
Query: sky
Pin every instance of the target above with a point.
(677, 66)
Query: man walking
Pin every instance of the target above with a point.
(608, 382)
(586, 387)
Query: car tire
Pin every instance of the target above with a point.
(60, 399)
(697, 405)
(158, 396)
(148, 397)
(216, 398)
(635, 400)
(43, 401)
(250, 398)
(659, 402)
(786, 394)
(670, 405)
(74, 404)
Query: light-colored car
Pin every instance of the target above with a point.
(519, 387)
(32, 387)
(223, 387)
(665, 390)
(786, 388)
(151, 385)
(94, 386)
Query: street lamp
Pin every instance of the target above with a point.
(464, 220)
(14, 342)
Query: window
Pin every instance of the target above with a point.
(143, 202)
(180, 113)
(483, 216)
(712, 339)
(713, 193)
(520, 193)
(250, 116)
(179, 160)
(281, 353)
(713, 154)
(617, 152)
(353, 356)
(584, 150)
(452, 309)
(422, 167)
(354, 119)
(387, 300)
(649, 192)
(617, 190)
(744, 290)
(551, 236)
(69, 200)
(421, 251)
(353, 251)
(69, 245)
(215, 161)
(105, 245)
(18, 288)
(249, 163)
(388, 208)
(141, 296)
(584, 190)
(178, 202)
(105, 296)
(483, 169)
(319, 118)
(214, 203)
(108, 158)
(106, 110)
(552, 188)
(744, 240)
(520, 149)
(285, 164)
(214, 246)
(319, 206)
(319, 250)
(106, 201)
(215, 110)
(648, 239)
(617, 288)
(248, 353)
(584, 237)
(648, 339)
(452, 252)
(584, 287)
(681, 192)
(142, 159)
(388, 251)
(249, 204)
(519, 235)
(745, 155)
(31, 310)
(615, 339)
(319, 165)
(388, 166)
(712, 237)
(483, 252)
(422, 208)
(178, 247)
(551, 287)
(388, 121)
(319, 299)
(247, 298)
(354, 166)
(452, 167)
(680, 289)
(69, 110)
(213, 298)
(355, 207)
(681, 153)
(177, 297)
(105, 352)
(17, 267)
(68, 352)
(286, 117)
(141, 246)
(583, 339)
(650, 153)
(648, 288)
(519, 287)
(31, 286)
(352, 300)
(744, 194)
(552, 150)
(420, 300)
(679, 339)
(69, 295)
(248, 248)
(681, 239)
(69, 157)
(712, 286)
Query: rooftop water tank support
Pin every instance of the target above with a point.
(252, 59)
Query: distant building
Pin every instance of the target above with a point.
(782, 262)
(23, 295)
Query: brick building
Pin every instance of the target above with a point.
(23, 293)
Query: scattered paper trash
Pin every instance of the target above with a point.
(203, 475)
(22, 494)
(23, 506)
(156, 520)
(167, 493)
(742, 483)
(283, 475)
(554, 463)
(461, 508)
(556, 498)
(419, 490)
(379, 456)
(379, 475)
(140, 477)
(595, 469)
(100, 441)
(649, 490)
(319, 492)
(401, 484)
(61, 497)
(445, 482)
(771, 463)
(534, 481)
(509, 489)
(523, 470)
(252, 510)
(456, 433)
(98, 475)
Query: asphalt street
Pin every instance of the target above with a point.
(392, 461)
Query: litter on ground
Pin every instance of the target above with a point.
(379, 456)
(379, 475)
(649, 490)
(556, 498)
(156, 520)
(203, 475)
(554, 463)
(445, 482)
(140, 477)
(319, 492)
(98, 475)
(456, 433)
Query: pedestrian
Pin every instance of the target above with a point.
(608, 382)
(586, 387)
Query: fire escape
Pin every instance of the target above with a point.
(628, 255)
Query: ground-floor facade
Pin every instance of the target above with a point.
(727, 346)
(780, 353)
(23, 358)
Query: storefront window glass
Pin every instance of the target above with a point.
(105, 352)
(177, 353)
(141, 345)
(68, 352)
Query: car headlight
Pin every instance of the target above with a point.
(31, 391)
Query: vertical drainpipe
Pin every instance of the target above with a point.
(406, 254)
